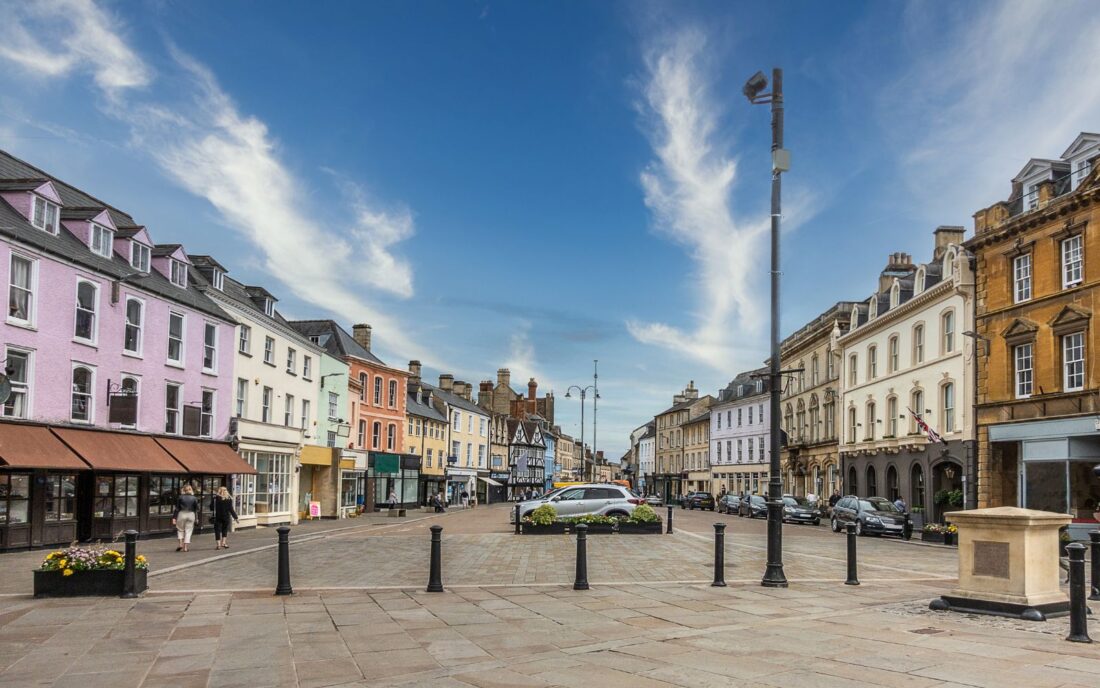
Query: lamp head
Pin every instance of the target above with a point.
(756, 83)
(568, 395)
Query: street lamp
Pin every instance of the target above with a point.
(583, 391)
(781, 162)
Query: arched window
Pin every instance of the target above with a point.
(853, 323)
(916, 487)
(892, 416)
(872, 482)
(872, 418)
(801, 376)
(949, 264)
(829, 363)
(916, 403)
(788, 422)
(800, 422)
(853, 481)
(363, 384)
(892, 492)
(130, 387)
(378, 391)
(815, 419)
(830, 421)
(391, 437)
(852, 425)
(893, 354)
(918, 282)
(872, 362)
(947, 407)
(918, 344)
(947, 328)
(86, 304)
(895, 294)
(813, 371)
(853, 372)
(81, 395)
(393, 394)
(376, 434)
(872, 307)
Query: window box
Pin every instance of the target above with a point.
(96, 583)
(927, 536)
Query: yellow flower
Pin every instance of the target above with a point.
(67, 572)
(62, 563)
(113, 553)
(141, 558)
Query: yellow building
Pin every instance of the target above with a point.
(427, 438)
(697, 453)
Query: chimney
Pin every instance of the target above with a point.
(690, 392)
(897, 266)
(462, 389)
(532, 389)
(361, 332)
(947, 234)
(414, 370)
(446, 382)
(504, 377)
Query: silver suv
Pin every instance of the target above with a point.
(605, 499)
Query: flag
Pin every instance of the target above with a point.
(933, 436)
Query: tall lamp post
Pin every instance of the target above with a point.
(583, 391)
(781, 162)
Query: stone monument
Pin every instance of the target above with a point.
(1008, 564)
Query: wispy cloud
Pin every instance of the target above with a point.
(522, 361)
(688, 187)
(964, 120)
(203, 142)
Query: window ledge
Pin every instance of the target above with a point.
(132, 354)
(21, 324)
(208, 371)
(174, 364)
(86, 342)
(291, 372)
(244, 353)
(266, 363)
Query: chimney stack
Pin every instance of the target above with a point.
(532, 389)
(361, 333)
(446, 382)
(414, 370)
(945, 235)
(504, 377)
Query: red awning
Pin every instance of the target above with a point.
(119, 451)
(34, 446)
(200, 456)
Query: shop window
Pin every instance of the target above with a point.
(19, 365)
(116, 496)
(244, 492)
(271, 489)
(164, 490)
(60, 493)
(1084, 491)
(1045, 486)
(15, 492)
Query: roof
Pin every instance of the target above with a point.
(67, 247)
(161, 250)
(455, 400)
(238, 294)
(421, 409)
(702, 416)
(334, 339)
(12, 167)
(747, 380)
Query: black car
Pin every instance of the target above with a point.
(698, 500)
(729, 504)
(871, 515)
(798, 510)
(753, 507)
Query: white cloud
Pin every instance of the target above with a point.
(522, 361)
(205, 144)
(54, 37)
(1018, 80)
(688, 188)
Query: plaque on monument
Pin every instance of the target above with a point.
(990, 559)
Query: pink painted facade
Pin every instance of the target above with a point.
(50, 334)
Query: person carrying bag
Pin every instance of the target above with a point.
(224, 516)
(184, 516)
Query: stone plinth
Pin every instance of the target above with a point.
(1008, 563)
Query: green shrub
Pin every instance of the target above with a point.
(591, 519)
(543, 515)
(644, 513)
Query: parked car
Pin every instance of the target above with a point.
(798, 510)
(604, 499)
(698, 500)
(729, 504)
(654, 500)
(871, 515)
(754, 507)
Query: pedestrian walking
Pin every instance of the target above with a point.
(465, 499)
(183, 517)
(392, 499)
(224, 516)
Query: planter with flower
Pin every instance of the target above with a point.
(597, 525)
(644, 520)
(951, 535)
(543, 521)
(932, 532)
(86, 570)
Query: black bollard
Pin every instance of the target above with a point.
(669, 530)
(283, 587)
(1094, 536)
(581, 580)
(1078, 609)
(129, 570)
(907, 529)
(517, 519)
(719, 556)
(852, 579)
(435, 571)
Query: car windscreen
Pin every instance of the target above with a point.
(757, 499)
(878, 504)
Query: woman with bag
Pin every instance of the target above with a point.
(183, 518)
(223, 512)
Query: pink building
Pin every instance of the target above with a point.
(103, 330)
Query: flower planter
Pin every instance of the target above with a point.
(641, 528)
(552, 529)
(951, 539)
(926, 536)
(101, 583)
(596, 528)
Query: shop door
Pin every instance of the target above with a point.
(84, 499)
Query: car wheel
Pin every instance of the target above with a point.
(817, 521)
(835, 525)
(859, 527)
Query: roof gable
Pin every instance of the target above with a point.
(48, 191)
(1033, 167)
(1084, 141)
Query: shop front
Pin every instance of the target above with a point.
(1051, 462)
(353, 482)
(38, 487)
(496, 487)
(390, 478)
(460, 480)
(316, 482)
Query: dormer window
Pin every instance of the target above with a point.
(103, 240)
(45, 215)
(139, 256)
(179, 273)
(219, 280)
(895, 294)
(269, 307)
(872, 308)
(918, 283)
(1082, 171)
(949, 265)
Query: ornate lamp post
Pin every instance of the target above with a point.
(583, 391)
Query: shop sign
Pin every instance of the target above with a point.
(500, 476)
(387, 463)
(315, 510)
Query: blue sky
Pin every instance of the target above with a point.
(540, 184)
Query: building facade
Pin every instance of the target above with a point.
(697, 453)
(810, 461)
(669, 475)
(467, 439)
(1038, 279)
(740, 425)
(527, 457)
(905, 354)
(647, 457)
(426, 436)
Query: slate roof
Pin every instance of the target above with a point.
(67, 247)
(455, 400)
(422, 409)
(162, 250)
(335, 339)
(748, 379)
(12, 167)
(237, 293)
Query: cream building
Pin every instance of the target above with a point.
(906, 350)
(467, 438)
(697, 452)
(670, 474)
(739, 431)
(810, 461)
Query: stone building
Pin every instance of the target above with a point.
(670, 474)
(905, 353)
(501, 398)
(697, 452)
(1038, 410)
(810, 462)
(739, 431)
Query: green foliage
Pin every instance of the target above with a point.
(543, 515)
(949, 497)
(591, 519)
(644, 513)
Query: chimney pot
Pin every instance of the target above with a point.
(361, 333)
(532, 389)
(446, 382)
(414, 369)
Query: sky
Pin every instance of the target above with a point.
(539, 185)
